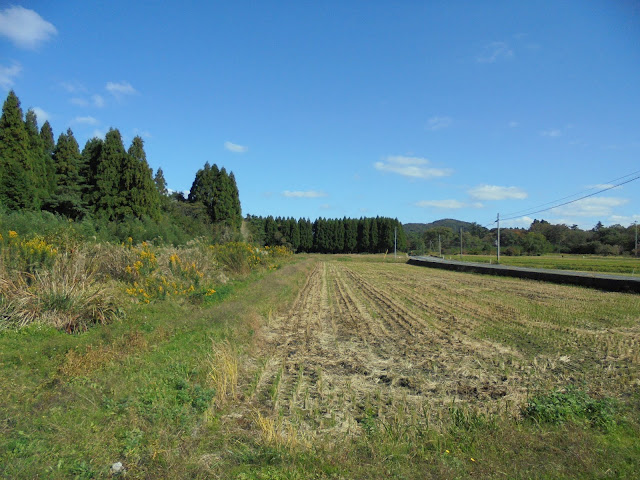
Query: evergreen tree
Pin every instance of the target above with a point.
(236, 209)
(89, 161)
(161, 183)
(67, 199)
(294, 228)
(48, 146)
(219, 193)
(306, 235)
(350, 235)
(107, 178)
(373, 237)
(17, 187)
(364, 234)
(138, 195)
(37, 157)
(270, 230)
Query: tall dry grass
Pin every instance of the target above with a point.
(68, 295)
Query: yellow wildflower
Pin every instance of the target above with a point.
(13, 234)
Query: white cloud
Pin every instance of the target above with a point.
(304, 194)
(41, 115)
(232, 147)
(86, 120)
(513, 124)
(448, 204)
(625, 220)
(553, 133)
(80, 102)
(25, 28)
(7, 74)
(495, 51)
(517, 222)
(437, 123)
(495, 192)
(98, 101)
(414, 167)
(591, 207)
(120, 89)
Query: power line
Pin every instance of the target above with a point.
(577, 199)
(573, 195)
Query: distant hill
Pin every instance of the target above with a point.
(454, 225)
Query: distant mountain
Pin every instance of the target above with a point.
(454, 225)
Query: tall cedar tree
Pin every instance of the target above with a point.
(38, 157)
(67, 199)
(106, 194)
(138, 194)
(89, 161)
(48, 146)
(17, 184)
(218, 192)
(161, 183)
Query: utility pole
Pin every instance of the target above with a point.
(439, 246)
(498, 244)
(636, 224)
(461, 242)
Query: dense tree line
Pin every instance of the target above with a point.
(540, 238)
(346, 235)
(104, 181)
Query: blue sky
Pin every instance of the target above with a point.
(408, 109)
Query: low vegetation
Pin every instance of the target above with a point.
(322, 367)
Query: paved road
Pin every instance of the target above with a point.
(615, 283)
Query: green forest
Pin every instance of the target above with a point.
(450, 236)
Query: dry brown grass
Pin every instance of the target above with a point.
(68, 296)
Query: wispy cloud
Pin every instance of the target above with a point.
(513, 124)
(304, 194)
(7, 75)
(553, 133)
(413, 167)
(495, 192)
(444, 204)
(73, 87)
(41, 115)
(142, 133)
(438, 123)
(118, 90)
(494, 52)
(25, 28)
(517, 222)
(592, 207)
(98, 101)
(86, 120)
(235, 148)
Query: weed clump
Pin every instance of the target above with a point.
(570, 404)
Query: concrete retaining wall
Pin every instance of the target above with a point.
(612, 283)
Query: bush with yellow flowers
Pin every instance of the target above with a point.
(26, 254)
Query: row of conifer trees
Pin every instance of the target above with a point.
(103, 181)
(346, 235)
